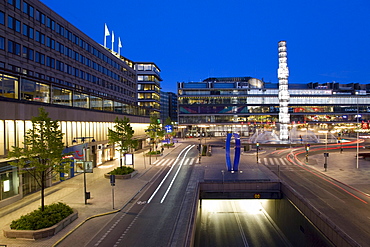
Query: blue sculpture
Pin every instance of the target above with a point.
(236, 154)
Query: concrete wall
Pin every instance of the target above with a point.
(303, 224)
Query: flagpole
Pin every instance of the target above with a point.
(112, 41)
(106, 33)
(119, 46)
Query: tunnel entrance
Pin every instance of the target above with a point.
(254, 222)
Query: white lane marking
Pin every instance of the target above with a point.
(177, 172)
(244, 238)
(160, 185)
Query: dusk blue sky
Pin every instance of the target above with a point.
(191, 40)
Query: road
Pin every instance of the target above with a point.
(346, 206)
(235, 223)
(150, 218)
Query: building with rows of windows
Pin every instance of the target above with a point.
(222, 105)
(47, 62)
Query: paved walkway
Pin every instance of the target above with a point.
(344, 167)
(71, 192)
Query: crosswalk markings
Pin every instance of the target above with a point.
(168, 162)
(276, 161)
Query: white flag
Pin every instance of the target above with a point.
(106, 30)
(112, 41)
(106, 33)
(119, 43)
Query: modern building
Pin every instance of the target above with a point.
(169, 107)
(148, 86)
(222, 105)
(47, 62)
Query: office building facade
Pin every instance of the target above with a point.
(47, 62)
(222, 105)
(169, 107)
(148, 86)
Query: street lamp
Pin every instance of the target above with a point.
(257, 145)
(86, 194)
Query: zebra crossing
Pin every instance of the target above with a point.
(276, 162)
(169, 162)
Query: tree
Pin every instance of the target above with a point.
(154, 130)
(42, 155)
(122, 135)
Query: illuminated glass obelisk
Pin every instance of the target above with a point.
(283, 74)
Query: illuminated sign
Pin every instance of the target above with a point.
(129, 158)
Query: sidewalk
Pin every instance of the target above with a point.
(71, 192)
(343, 168)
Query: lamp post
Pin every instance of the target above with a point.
(257, 145)
(86, 194)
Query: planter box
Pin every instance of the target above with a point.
(127, 176)
(42, 233)
(153, 155)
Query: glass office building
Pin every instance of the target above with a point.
(221, 105)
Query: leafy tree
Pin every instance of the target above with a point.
(42, 155)
(155, 130)
(122, 135)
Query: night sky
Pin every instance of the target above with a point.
(192, 40)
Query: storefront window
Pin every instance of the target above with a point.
(35, 91)
(62, 96)
(9, 86)
(108, 105)
(96, 103)
(9, 181)
(80, 100)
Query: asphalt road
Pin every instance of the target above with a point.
(346, 206)
(235, 223)
(150, 218)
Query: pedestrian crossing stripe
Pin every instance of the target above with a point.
(168, 162)
(276, 161)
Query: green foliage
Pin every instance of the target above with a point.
(122, 135)
(39, 219)
(153, 152)
(42, 153)
(122, 170)
(155, 130)
(169, 144)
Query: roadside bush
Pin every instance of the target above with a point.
(38, 219)
(122, 170)
(153, 152)
(168, 144)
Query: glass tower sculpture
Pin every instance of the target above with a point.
(284, 97)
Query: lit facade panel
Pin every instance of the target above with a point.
(307, 102)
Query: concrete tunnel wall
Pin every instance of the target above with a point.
(303, 224)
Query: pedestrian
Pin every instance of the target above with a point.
(162, 149)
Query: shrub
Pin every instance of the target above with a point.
(153, 152)
(169, 144)
(122, 170)
(38, 219)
